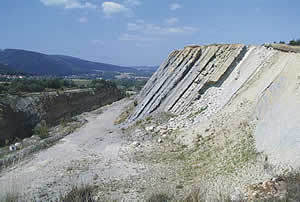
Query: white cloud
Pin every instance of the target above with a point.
(133, 37)
(109, 8)
(133, 2)
(152, 29)
(171, 21)
(185, 29)
(139, 31)
(83, 20)
(68, 4)
(175, 6)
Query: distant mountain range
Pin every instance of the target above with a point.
(43, 64)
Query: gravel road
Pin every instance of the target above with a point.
(90, 155)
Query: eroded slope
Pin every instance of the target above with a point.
(221, 95)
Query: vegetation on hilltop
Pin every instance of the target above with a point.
(100, 83)
(30, 85)
(130, 84)
(34, 85)
(293, 42)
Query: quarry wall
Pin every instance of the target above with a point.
(20, 114)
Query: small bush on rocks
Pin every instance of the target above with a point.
(41, 130)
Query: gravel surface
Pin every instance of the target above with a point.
(91, 151)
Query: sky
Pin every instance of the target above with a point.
(142, 32)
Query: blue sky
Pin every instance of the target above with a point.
(142, 32)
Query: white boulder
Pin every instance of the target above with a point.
(12, 148)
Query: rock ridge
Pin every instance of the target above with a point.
(185, 75)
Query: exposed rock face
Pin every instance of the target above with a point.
(20, 114)
(187, 74)
(204, 83)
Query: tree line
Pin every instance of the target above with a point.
(30, 85)
(34, 85)
(294, 42)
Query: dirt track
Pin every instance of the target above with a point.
(90, 155)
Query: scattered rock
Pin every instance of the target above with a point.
(35, 137)
(137, 131)
(276, 187)
(149, 128)
(18, 145)
(135, 144)
(28, 141)
(159, 140)
(12, 148)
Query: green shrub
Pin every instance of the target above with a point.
(101, 84)
(35, 85)
(295, 42)
(130, 84)
(41, 130)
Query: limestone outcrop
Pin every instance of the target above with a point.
(205, 85)
(187, 74)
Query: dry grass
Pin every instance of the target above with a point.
(162, 197)
(79, 194)
(201, 196)
(125, 114)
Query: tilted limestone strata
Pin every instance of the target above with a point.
(238, 103)
(20, 114)
(199, 82)
(185, 75)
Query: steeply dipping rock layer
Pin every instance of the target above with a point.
(200, 83)
(187, 74)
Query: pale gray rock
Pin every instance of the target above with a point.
(185, 75)
(18, 145)
(135, 144)
(12, 148)
(149, 128)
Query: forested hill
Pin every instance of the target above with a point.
(43, 64)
